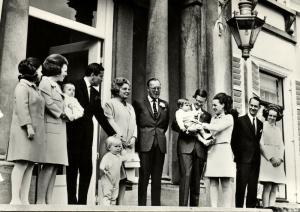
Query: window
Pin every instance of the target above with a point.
(84, 12)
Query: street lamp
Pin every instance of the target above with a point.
(245, 26)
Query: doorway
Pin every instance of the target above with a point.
(271, 92)
(45, 38)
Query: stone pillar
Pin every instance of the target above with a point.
(157, 55)
(13, 40)
(219, 44)
(157, 45)
(192, 67)
(123, 40)
(1, 2)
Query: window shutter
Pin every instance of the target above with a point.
(237, 91)
(255, 79)
(298, 108)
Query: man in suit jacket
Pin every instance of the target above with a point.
(80, 133)
(152, 114)
(192, 155)
(245, 146)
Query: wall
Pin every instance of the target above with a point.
(280, 58)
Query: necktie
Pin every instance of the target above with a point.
(253, 123)
(155, 113)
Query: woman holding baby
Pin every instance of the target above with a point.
(54, 70)
(220, 167)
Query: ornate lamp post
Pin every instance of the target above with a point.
(245, 26)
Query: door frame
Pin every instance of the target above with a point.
(290, 132)
(99, 51)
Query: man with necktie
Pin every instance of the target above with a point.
(152, 115)
(245, 146)
(192, 155)
(80, 133)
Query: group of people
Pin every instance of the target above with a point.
(232, 147)
(52, 126)
(52, 123)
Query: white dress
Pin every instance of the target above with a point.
(271, 145)
(219, 156)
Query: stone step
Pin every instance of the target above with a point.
(123, 208)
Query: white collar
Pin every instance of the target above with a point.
(151, 99)
(52, 82)
(251, 117)
(87, 82)
(31, 84)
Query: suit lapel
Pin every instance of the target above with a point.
(148, 106)
(84, 90)
(159, 108)
(259, 127)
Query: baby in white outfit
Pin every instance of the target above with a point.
(187, 122)
(73, 109)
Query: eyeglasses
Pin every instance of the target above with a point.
(155, 88)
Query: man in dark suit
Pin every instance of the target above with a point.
(80, 133)
(152, 115)
(245, 146)
(192, 155)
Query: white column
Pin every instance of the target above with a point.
(157, 54)
(157, 45)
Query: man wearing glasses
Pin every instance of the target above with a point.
(152, 116)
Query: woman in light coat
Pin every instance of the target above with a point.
(54, 70)
(220, 168)
(27, 133)
(121, 116)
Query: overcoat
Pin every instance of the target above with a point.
(28, 108)
(56, 135)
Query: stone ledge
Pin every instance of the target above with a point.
(122, 208)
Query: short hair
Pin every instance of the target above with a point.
(64, 84)
(150, 80)
(53, 64)
(94, 68)
(27, 68)
(255, 98)
(181, 102)
(112, 140)
(201, 93)
(117, 83)
(276, 108)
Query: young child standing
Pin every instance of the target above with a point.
(186, 121)
(72, 107)
(110, 167)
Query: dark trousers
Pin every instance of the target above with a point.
(82, 164)
(151, 164)
(191, 168)
(246, 176)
